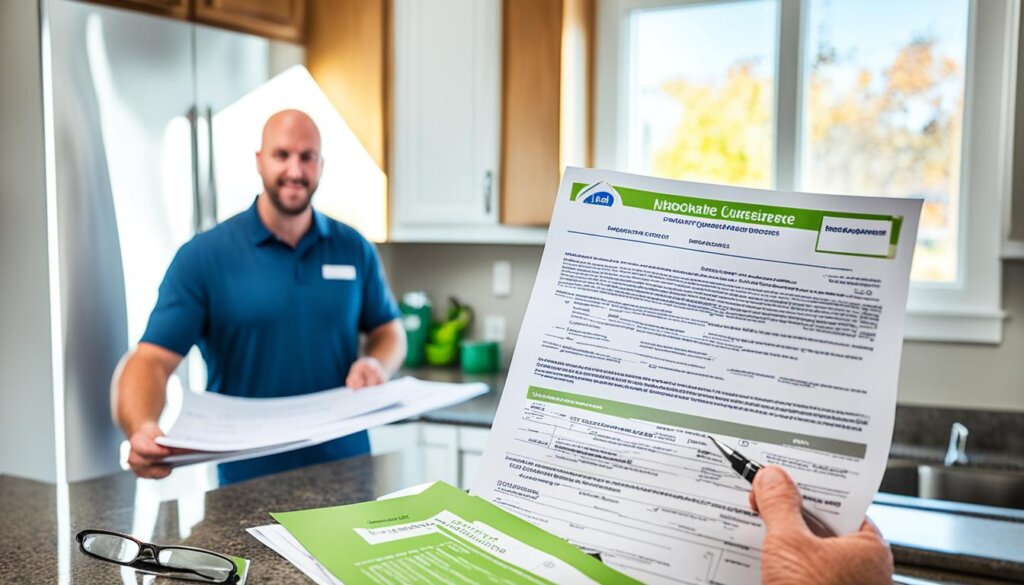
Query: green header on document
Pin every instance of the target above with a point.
(718, 210)
(697, 423)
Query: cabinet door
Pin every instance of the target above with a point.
(471, 449)
(446, 112)
(281, 19)
(171, 8)
(401, 440)
(439, 451)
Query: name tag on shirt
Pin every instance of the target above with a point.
(339, 272)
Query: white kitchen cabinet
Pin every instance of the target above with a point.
(401, 439)
(439, 453)
(447, 111)
(446, 126)
(472, 441)
(432, 452)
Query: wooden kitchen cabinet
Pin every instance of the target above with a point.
(180, 9)
(278, 19)
(546, 102)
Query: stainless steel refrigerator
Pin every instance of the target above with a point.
(134, 96)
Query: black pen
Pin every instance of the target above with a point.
(748, 469)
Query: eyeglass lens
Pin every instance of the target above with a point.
(124, 550)
(208, 565)
(110, 546)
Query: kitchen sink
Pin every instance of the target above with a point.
(966, 484)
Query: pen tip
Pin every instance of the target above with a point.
(725, 450)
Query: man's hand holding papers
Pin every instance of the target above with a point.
(792, 555)
(147, 457)
(228, 428)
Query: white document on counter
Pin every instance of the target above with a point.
(665, 311)
(231, 428)
(278, 539)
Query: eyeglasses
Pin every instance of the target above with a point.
(180, 562)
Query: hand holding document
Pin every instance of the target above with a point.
(229, 428)
(664, 312)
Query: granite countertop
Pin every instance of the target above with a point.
(37, 536)
(40, 520)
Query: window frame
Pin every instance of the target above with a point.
(967, 310)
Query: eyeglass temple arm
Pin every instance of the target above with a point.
(155, 567)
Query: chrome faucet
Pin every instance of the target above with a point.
(956, 453)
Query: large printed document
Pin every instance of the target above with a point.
(440, 535)
(230, 428)
(665, 312)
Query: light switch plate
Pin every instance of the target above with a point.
(494, 328)
(502, 283)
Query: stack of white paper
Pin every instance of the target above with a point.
(230, 428)
(278, 539)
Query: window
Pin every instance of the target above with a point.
(861, 97)
(711, 118)
(883, 112)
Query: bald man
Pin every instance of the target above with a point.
(275, 298)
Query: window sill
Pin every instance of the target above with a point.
(970, 326)
(1012, 250)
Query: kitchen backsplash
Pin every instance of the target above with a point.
(466, 272)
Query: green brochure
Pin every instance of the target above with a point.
(242, 567)
(441, 535)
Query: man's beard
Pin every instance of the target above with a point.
(274, 193)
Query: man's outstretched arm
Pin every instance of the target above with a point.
(141, 393)
(385, 350)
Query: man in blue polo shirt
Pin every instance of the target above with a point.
(275, 298)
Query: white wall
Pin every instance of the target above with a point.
(284, 55)
(989, 377)
(26, 384)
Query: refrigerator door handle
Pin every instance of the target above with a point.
(197, 203)
(211, 190)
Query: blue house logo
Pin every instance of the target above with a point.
(600, 198)
(599, 193)
(603, 198)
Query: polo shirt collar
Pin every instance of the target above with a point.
(258, 233)
(321, 224)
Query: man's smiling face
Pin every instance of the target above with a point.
(289, 161)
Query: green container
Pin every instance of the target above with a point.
(479, 357)
(416, 316)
